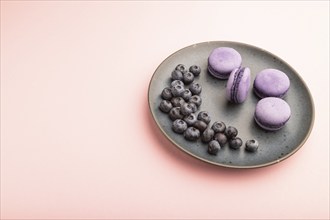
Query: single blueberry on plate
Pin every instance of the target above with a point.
(191, 134)
(187, 108)
(177, 90)
(179, 126)
(186, 95)
(231, 132)
(213, 147)
(175, 113)
(196, 99)
(204, 116)
(190, 119)
(167, 93)
(177, 82)
(235, 143)
(193, 106)
(251, 145)
(188, 78)
(177, 101)
(194, 69)
(207, 135)
(200, 125)
(176, 75)
(219, 127)
(182, 68)
(165, 106)
(195, 88)
(221, 138)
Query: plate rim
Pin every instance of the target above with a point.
(226, 165)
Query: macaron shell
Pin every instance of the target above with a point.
(222, 61)
(243, 86)
(271, 83)
(272, 113)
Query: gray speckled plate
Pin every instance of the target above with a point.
(273, 146)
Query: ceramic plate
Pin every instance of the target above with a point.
(273, 146)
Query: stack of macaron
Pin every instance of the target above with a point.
(271, 85)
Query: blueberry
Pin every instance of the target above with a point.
(204, 116)
(191, 134)
(194, 69)
(176, 75)
(196, 99)
(190, 119)
(219, 127)
(231, 132)
(195, 88)
(187, 108)
(235, 143)
(194, 106)
(177, 82)
(167, 93)
(182, 68)
(175, 113)
(177, 101)
(177, 90)
(165, 106)
(221, 138)
(186, 95)
(200, 125)
(179, 126)
(207, 135)
(251, 145)
(188, 77)
(213, 147)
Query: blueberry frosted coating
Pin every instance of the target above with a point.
(177, 82)
(186, 95)
(181, 68)
(176, 75)
(191, 134)
(196, 99)
(194, 69)
(195, 88)
(221, 138)
(177, 101)
(175, 113)
(188, 78)
(235, 143)
(179, 126)
(190, 119)
(177, 90)
(213, 147)
(231, 132)
(204, 116)
(167, 93)
(207, 135)
(251, 145)
(165, 106)
(187, 109)
(219, 127)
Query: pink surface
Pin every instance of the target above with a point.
(77, 138)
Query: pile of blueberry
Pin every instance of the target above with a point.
(181, 101)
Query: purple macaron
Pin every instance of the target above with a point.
(272, 113)
(222, 61)
(238, 85)
(271, 83)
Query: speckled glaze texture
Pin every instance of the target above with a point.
(274, 146)
(272, 113)
(222, 61)
(271, 83)
(238, 85)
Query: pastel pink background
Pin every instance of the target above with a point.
(77, 138)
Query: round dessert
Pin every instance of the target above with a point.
(272, 113)
(222, 61)
(238, 85)
(271, 83)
